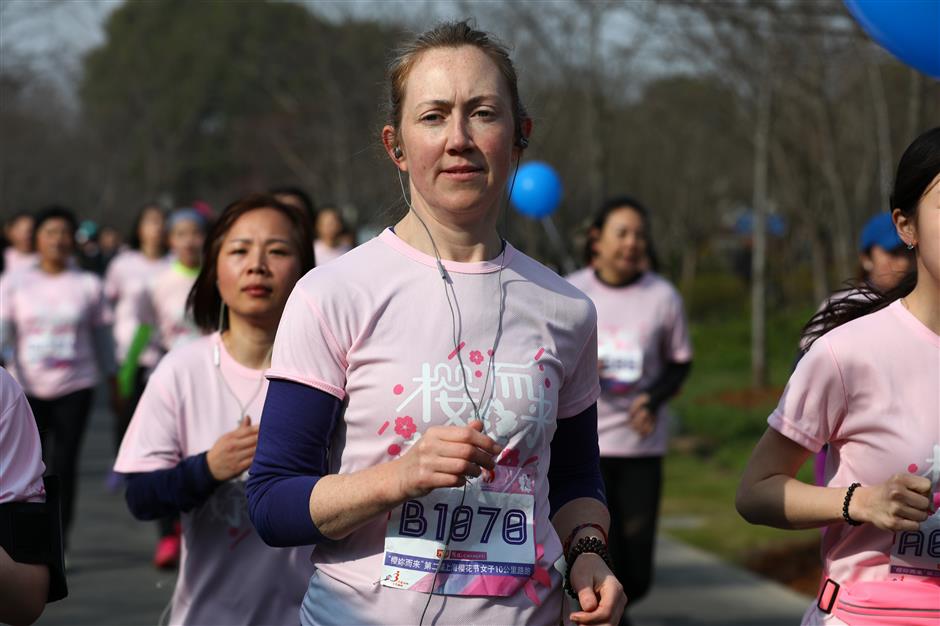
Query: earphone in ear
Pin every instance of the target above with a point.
(522, 143)
(397, 152)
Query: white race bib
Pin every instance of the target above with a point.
(491, 551)
(50, 347)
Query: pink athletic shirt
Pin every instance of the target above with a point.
(640, 328)
(373, 328)
(324, 253)
(870, 389)
(227, 575)
(164, 306)
(21, 465)
(124, 284)
(53, 318)
(14, 260)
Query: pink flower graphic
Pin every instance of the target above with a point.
(510, 457)
(476, 356)
(405, 426)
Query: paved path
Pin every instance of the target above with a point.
(111, 580)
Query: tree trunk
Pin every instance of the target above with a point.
(883, 133)
(759, 377)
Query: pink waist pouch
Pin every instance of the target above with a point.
(882, 603)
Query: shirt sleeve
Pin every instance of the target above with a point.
(152, 440)
(21, 465)
(306, 349)
(814, 401)
(678, 346)
(581, 387)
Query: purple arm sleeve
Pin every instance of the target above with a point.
(292, 455)
(575, 468)
(156, 494)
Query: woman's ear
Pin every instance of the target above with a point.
(393, 147)
(905, 226)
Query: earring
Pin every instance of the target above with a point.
(910, 246)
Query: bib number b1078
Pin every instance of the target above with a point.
(477, 540)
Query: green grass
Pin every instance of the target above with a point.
(720, 420)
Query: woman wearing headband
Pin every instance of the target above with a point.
(868, 387)
(428, 386)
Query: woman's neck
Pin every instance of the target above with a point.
(465, 244)
(329, 242)
(613, 278)
(50, 266)
(249, 343)
(151, 251)
(924, 301)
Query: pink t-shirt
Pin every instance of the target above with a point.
(14, 260)
(227, 573)
(640, 328)
(164, 306)
(53, 318)
(383, 342)
(124, 283)
(324, 253)
(21, 465)
(869, 389)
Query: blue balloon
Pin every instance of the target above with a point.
(536, 192)
(908, 29)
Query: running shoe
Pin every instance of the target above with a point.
(167, 554)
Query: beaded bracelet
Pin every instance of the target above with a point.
(579, 528)
(845, 505)
(591, 545)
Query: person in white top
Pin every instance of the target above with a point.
(194, 432)
(868, 387)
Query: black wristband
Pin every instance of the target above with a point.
(592, 545)
(845, 505)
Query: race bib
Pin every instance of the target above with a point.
(491, 548)
(917, 552)
(51, 347)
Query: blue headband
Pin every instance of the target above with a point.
(182, 215)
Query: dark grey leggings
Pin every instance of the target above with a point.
(633, 491)
(62, 422)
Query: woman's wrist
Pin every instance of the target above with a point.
(858, 504)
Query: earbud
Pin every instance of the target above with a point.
(522, 143)
(397, 152)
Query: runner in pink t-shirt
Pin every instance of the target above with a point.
(56, 322)
(868, 388)
(124, 284)
(164, 304)
(194, 432)
(18, 230)
(644, 354)
(24, 587)
(330, 228)
(428, 387)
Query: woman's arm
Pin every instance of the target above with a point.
(293, 500)
(769, 493)
(579, 510)
(152, 495)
